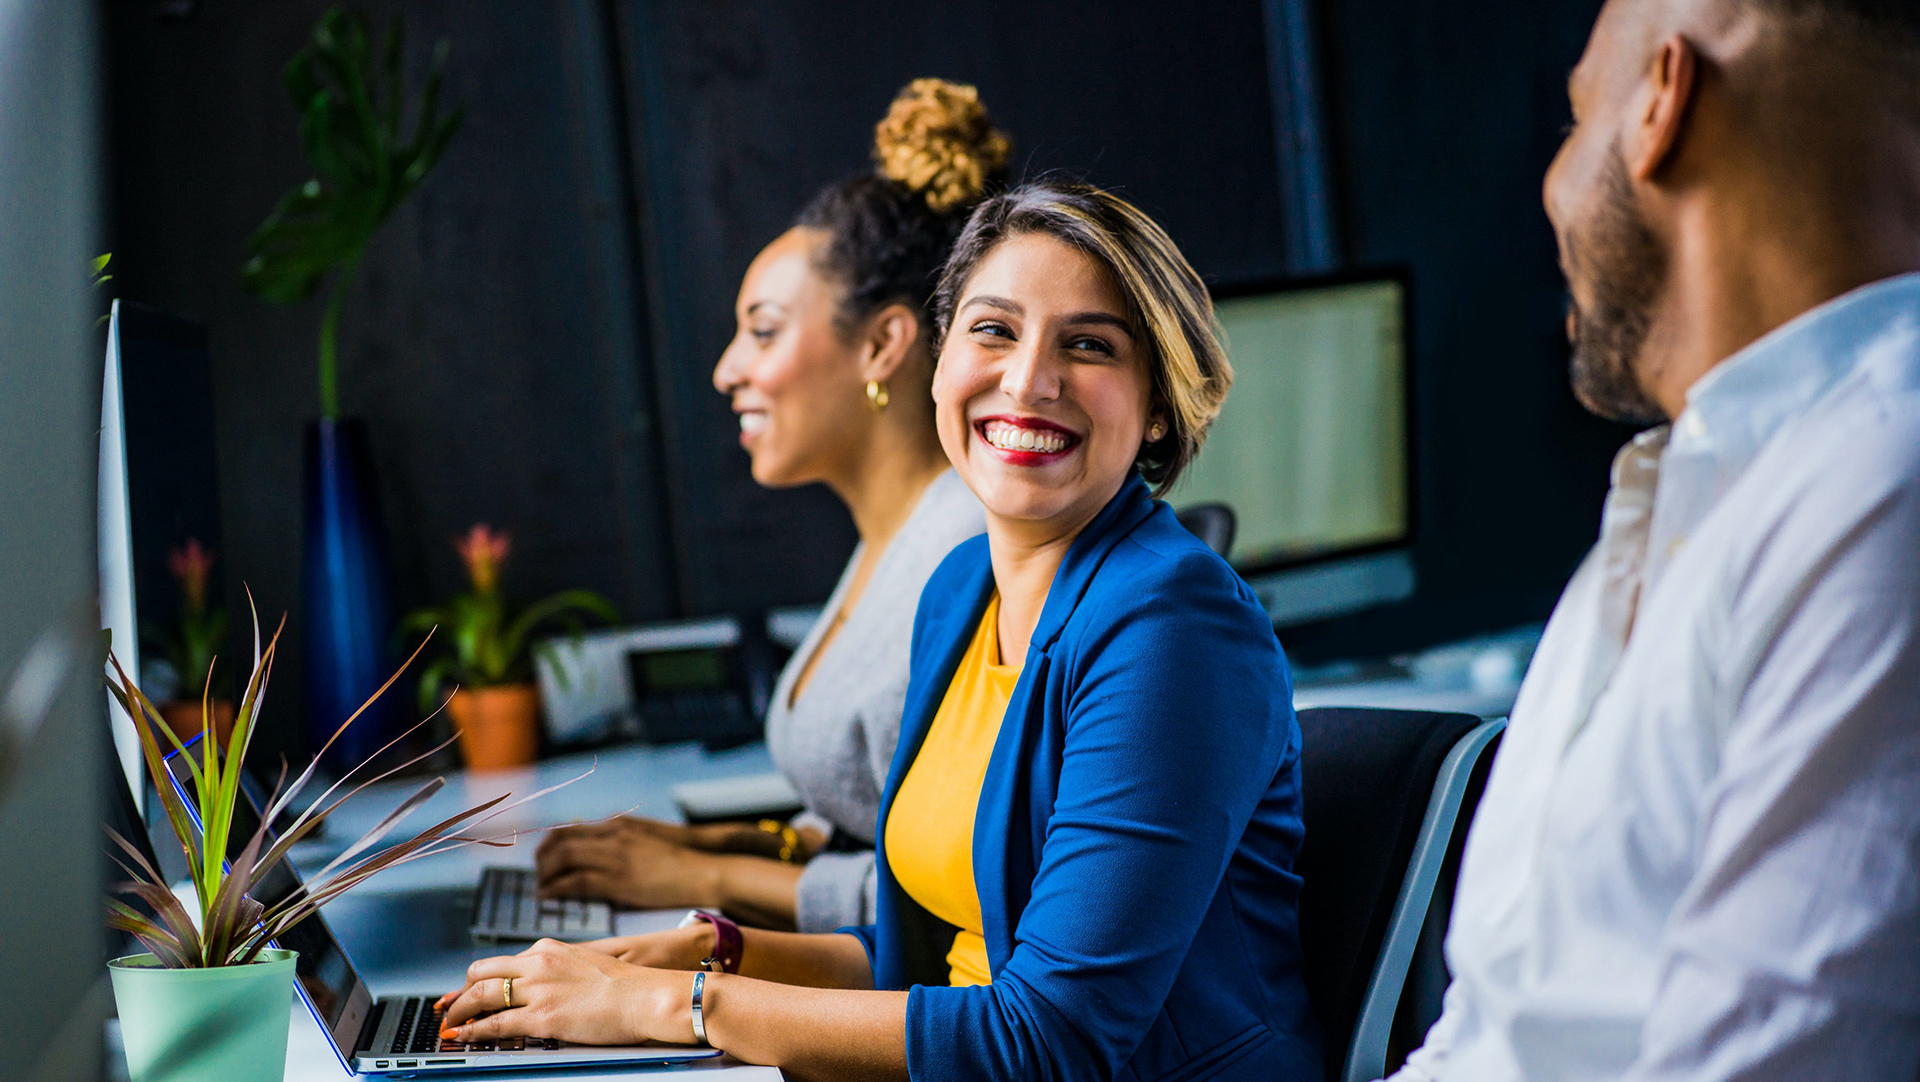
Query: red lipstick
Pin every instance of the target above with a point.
(1025, 441)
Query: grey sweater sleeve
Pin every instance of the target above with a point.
(836, 890)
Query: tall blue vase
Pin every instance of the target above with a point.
(346, 612)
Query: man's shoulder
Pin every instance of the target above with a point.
(1858, 445)
(1835, 495)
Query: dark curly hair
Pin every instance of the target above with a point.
(890, 230)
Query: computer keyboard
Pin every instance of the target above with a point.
(507, 905)
(419, 1032)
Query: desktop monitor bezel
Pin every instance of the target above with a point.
(1400, 275)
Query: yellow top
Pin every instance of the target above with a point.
(930, 828)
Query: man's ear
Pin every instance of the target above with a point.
(887, 340)
(1661, 107)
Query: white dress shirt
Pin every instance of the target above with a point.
(1698, 854)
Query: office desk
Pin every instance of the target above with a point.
(406, 928)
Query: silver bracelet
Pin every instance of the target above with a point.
(699, 1023)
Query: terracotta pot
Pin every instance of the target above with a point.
(497, 726)
(183, 718)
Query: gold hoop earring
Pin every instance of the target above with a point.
(877, 395)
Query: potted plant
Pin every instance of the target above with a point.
(496, 706)
(353, 105)
(210, 998)
(190, 646)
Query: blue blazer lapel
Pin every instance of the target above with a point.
(948, 631)
(908, 950)
(1128, 508)
(1007, 828)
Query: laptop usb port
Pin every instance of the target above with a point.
(406, 1063)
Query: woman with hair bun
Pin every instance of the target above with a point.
(1088, 837)
(830, 373)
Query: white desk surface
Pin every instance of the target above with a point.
(406, 928)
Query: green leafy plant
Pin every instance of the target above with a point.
(489, 642)
(352, 113)
(232, 927)
(194, 639)
(100, 278)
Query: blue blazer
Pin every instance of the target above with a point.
(1135, 838)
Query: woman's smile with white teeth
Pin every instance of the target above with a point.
(1011, 437)
(752, 421)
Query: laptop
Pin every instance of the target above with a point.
(397, 1034)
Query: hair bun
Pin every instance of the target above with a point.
(938, 141)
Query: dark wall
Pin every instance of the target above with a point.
(490, 340)
(532, 336)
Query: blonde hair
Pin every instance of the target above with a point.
(938, 141)
(1188, 365)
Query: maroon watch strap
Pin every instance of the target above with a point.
(728, 944)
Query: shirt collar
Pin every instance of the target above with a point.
(1740, 403)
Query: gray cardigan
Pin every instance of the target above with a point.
(836, 743)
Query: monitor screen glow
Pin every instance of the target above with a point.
(1310, 449)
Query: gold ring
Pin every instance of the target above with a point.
(506, 992)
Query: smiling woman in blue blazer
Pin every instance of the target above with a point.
(1089, 829)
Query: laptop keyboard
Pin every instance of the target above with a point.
(419, 1033)
(507, 905)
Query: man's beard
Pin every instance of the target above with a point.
(1626, 268)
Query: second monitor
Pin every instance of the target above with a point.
(1313, 449)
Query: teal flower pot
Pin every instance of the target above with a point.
(226, 1024)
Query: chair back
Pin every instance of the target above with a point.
(1368, 778)
(1212, 523)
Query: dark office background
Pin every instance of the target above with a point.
(531, 338)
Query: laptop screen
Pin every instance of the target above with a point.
(322, 969)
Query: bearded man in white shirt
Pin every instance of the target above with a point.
(1698, 854)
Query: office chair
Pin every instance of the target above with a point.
(1210, 522)
(1388, 795)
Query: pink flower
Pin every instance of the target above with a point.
(190, 565)
(484, 551)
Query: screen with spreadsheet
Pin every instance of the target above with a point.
(1311, 447)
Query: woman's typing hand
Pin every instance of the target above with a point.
(643, 864)
(569, 993)
(634, 863)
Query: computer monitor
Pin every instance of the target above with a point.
(158, 492)
(1313, 449)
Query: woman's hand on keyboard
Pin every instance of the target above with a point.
(569, 993)
(634, 863)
